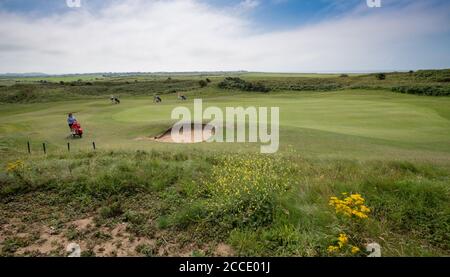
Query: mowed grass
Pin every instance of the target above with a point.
(346, 124)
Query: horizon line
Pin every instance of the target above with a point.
(43, 74)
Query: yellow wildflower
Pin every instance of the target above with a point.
(352, 205)
(333, 249)
(15, 166)
(343, 240)
(364, 209)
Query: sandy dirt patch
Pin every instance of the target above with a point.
(224, 250)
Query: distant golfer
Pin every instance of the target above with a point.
(157, 99)
(181, 97)
(71, 120)
(115, 100)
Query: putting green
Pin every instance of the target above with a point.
(366, 118)
(372, 119)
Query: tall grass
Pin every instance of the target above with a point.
(264, 206)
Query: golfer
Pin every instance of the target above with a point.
(71, 120)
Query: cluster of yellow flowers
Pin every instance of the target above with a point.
(343, 245)
(15, 166)
(245, 183)
(352, 205)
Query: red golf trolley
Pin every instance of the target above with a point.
(76, 130)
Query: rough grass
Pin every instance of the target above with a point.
(54, 88)
(49, 91)
(181, 195)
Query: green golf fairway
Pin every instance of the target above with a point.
(354, 124)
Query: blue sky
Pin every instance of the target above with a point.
(288, 13)
(269, 13)
(261, 35)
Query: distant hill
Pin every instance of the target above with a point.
(22, 75)
(119, 74)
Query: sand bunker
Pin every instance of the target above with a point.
(206, 130)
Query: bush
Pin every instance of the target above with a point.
(239, 84)
(444, 80)
(246, 190)
(20, 93)
(203, 83)
(424, 90)
(432, 74)
(380, 76)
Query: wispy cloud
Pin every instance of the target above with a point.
(249, 4)
(185, 35)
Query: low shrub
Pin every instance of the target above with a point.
(245, 191)
(239, 84)
(380, 76)
(203, 83)
(423, 90)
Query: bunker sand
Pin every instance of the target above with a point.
(184, 137)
